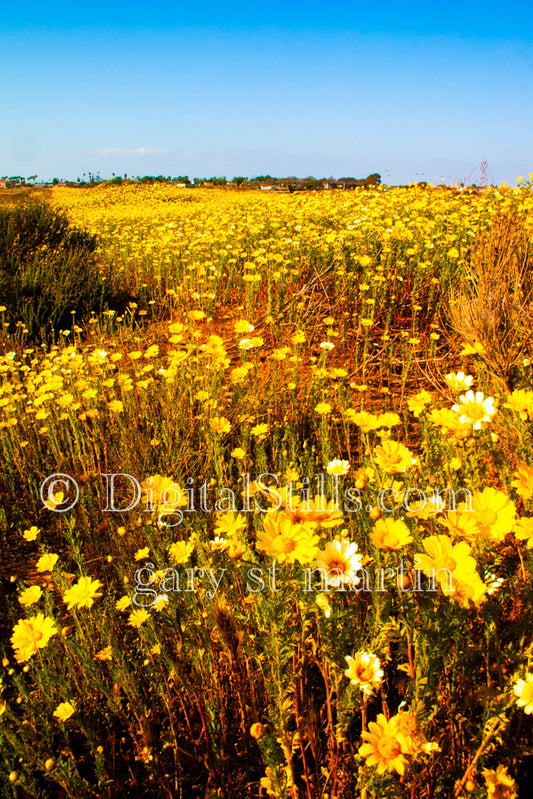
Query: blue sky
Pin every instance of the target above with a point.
(284, 88)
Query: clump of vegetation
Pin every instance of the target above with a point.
(494, 305)
(49, 271)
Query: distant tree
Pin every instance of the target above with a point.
(268, 180)
(310, 183)
(373, 180)
(239, 181)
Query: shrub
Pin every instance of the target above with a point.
(48, 269)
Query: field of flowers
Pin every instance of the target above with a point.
(267, 506)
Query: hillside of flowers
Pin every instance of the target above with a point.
(266, 504)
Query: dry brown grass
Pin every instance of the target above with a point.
(495, 304)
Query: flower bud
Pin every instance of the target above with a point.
(257, 731)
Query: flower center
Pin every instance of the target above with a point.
(364, 672)
(487, 517)
(389, 748)
(475, 411)
(337, 566)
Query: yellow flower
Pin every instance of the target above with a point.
(468, 588)
(393, 457)
(239, 374)
(230, 523)
(32, 634)
(30, 595)
(115, 406)
(286, 542)
(383, 747)
(391, 534)
(259, 430)
(362, 477)
(163, 494)
(494, 513)
(500, 784)
(524, 691)
(65, 400)
(364, 670)
(82, 595)
(238, 453)
(460, 524)
(340, 562)
(46, 562)
(523, 530)
(220, 424)
(366, 421)
(280, 353)
(105, 654)
(138, 617)
(242, 326)
(338, 467)
(314, 512)
(407, 728)
(31, 534)
(55, 500)
(152, 351)
(64, 711)
(473, 349)
(160, 602)
(475, 409)
(181, 551)
(323, 408)
(235, 549)
(219, 544)
(521, 401)
(123, 603)
(388, 420)
(418, 402)
(143, 553)
(458, 381)
(524, 480)
(444, 560)
(449, 422)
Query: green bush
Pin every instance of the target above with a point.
(48, 269)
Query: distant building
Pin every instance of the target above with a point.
(3, 183)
